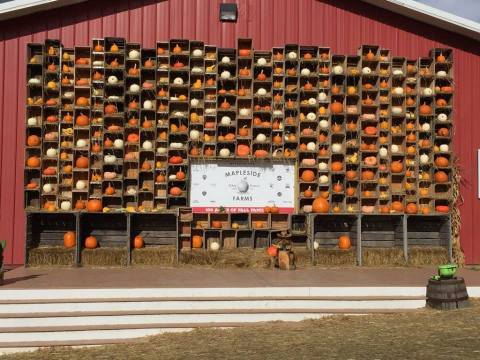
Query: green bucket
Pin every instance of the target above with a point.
(447, 271)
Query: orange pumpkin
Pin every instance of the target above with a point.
(344, 242)
(197, 241)
(370, 130)
(308, 193)
(396, 166)
(94, 205)
(81, 162)
(320, 205)
(336, 107)
(243, 150)
(368, 175)
(308, 175)
(337, 166)
(33, 140)
(442, 208)
(425, 109)
(175, 191)
(441, 161)
(411, 208)
(397, 206)
(80, 205)
(91, 242)
(351, 174)
(138, 242)
(175, 159)
(69, 239)
(441, 177)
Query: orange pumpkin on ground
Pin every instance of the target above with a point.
(344, 242)
(197, 241)
(69, 239)
(138, 242)
(91, 242)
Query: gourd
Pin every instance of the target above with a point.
(323, 179)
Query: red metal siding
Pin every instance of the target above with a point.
(341, 24)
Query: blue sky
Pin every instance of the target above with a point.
(469, 9)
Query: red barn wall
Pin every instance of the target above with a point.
(341, 24)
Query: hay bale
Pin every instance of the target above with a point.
(226, 258)
(303, 257)
(155, 255)
(104, 257)
(392, 256)
(51, 256)
(427, 255)
(335, 257)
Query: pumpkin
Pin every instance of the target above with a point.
(411, 208)
(441, 102)
(425, 109)
(443, 131)
(370, 130)
(33, 161)
(69, 239)
(175, 160)
(272, 251)
(441, 177)
(397, 206)
(344, 242)
(94, 205)
(138, 242)
(337, 166)
(396, 167)
(110, 109)
(442, 208)
(320, 205)
(80, 205)
(175, 191)
(81, 162)
(308, 175)
(351, 174)
(180, 175)
(441, 58)
(308, 193)
(336, 107)
(274, 209)
(197, 241)
(91, 242)
(260, 153)
(33, 140)
(243, 150)
(441, 161)
(368, 175)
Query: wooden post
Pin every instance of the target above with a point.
(359, 240)
(129, 242)
(77, 239)
(405, 236)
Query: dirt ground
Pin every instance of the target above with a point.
(423, 334)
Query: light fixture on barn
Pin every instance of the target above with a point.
(228, 12)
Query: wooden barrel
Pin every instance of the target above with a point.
(446, 294)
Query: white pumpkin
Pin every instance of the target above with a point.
(51, 152)
(424, 159)
(194, 134)
(312, 101)
(383, 152)
(112, 79)
(323, 179)
(324, 124)
(226, 120)
(441, 73)
(311, 116)
(224, 152)
(176, 145)
(277, 112)
(118, 144)
(178, 81)
(196, 70)
(426, 127)
(322, 96)
(194, 102)
(34, 81)
(395, 149)
(427, 92)
(172, 177)
(109, 159)
(214, 246)
(65, 205)
(113, 97)
(336, 148)
(80, 185)
(322, 166)
(442, 117)
(32, 121)
(316, 245)
(81, 143)
(338, 70)
(262, 61)
(307, 209)
(397, 110)
(311, 146)
(305, 72)
(70, 94)
(147, 145)
(398, 90)
(444, 148)
(292, 55)
(161, 150)
(226, 60)
(131, 191)
(148, 104)
(262, 92)
(261, 137)
(366, 70)
(134, 54)
(397, 72)
(134, 88)
(244, 111)
(97, 63)
(47, 188)
(197, 52)
(225, 74)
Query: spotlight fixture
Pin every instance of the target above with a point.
(228, 12)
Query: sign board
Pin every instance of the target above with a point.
(240, 186)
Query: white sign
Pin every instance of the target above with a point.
(239, 186)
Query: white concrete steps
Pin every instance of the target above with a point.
(34, 318)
